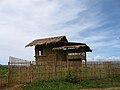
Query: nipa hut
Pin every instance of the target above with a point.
(58, 48)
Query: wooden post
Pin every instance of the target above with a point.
(8, 75)
(85, 60)
(67, 59)
(56, 64)
(31, 71)
(19, 74)
(61, 69)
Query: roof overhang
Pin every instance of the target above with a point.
(69, 47)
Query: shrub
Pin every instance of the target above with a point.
(71, 77)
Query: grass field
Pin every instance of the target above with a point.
(63, 85)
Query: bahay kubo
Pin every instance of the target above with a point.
(58, 48)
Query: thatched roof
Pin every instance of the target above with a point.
(61, 43)
(86, 48)
(46, 41)
(69, 47)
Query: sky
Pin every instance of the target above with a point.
(94, 22)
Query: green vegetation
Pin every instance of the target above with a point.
(51, 86)
(3, 71)
(66, 85)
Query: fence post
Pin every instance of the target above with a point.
(67, 59)
(31, 72)
(19, 71)
(8, 74)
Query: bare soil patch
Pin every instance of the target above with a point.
(13, 87)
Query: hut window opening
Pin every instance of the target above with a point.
(40, 53)
(64, 49)
(83, 53)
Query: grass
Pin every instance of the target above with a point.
(3, 70)
(62, 85)
(101, 83)
(51, 86)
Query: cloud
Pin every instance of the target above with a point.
(22, 21)
(104, 58)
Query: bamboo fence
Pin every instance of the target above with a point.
(22, 72)
(52, 70)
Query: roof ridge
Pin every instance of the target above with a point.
(50, 37)
(47, 40)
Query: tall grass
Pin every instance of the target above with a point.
(51, 86)
(66, 85)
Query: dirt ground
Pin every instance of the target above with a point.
(19, 87)
(15, 87)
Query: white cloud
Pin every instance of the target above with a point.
(104, 58)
